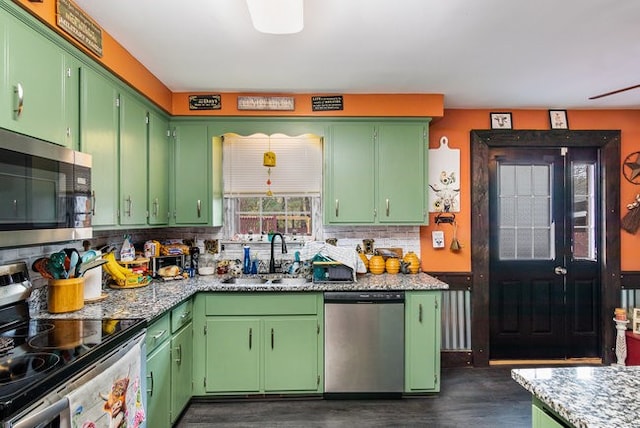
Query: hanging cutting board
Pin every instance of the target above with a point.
(444, 178)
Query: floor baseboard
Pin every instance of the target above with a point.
(558, 362)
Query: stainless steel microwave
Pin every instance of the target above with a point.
(45, 192)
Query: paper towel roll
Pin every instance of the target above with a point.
(93, 282)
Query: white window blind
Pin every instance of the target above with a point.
(298, 167)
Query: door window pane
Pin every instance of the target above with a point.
(525, 221)
(583, 207)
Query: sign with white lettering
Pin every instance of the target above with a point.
(79, 25)
(324, 103)
(265, 103)
(205, 102)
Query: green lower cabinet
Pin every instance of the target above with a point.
(290, 354)
(181, 370)
(258, 343)
(232, 355)
(159, 387)
(542, 417)
(422, 341)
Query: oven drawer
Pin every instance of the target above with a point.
(181, 315)
(157, 332)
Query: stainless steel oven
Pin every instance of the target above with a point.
(45, 192)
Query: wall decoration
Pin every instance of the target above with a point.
(631, 220)
(444, 178)
(266, 103)
(558, 119)
(501, 120)
(205, 102)
(631, 168)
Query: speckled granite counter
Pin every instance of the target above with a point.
(587, 397)
(158, 297)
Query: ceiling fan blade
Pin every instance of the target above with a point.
(606, 94)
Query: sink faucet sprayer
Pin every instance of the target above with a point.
(272, 262)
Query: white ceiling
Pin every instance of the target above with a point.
(478, 53)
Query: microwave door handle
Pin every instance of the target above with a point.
(44, 416)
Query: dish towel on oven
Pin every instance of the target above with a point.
(113, 398)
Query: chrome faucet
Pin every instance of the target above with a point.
(272, 262)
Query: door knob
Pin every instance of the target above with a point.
(559, 270)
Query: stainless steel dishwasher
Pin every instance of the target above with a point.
(364, 343)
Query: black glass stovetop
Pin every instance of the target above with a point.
(37, 355)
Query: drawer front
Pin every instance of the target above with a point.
(157, 333)
(262, 304)
(181, 315)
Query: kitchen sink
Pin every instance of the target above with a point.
(280, 282)
(290, 281)
(245, 281)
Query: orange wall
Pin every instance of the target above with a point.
(456, 125)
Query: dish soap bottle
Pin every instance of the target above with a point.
(246, 267)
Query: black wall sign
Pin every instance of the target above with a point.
(327, 103)
(205, 102)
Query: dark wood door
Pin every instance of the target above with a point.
(544, 268)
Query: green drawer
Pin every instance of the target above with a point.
(157, 333)
(181, 315)
(262, 304)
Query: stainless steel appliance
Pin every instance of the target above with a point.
(46, 192)
(39, 358)
(364, 343)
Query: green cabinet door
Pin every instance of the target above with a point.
(401, 178)
(422, 346)
(181, 370)
(233, 354)
(159, 387)
(159, 156)
(350, 175)
(133, 161)
(72, 102)
(99, 137)
(191, 174)
(33, 93)
(542, 417)
(291, 353)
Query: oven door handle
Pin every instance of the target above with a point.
(44, 416)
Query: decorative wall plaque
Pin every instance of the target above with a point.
(327, 103)
(205, 102)
(265, 103)
(79, 25)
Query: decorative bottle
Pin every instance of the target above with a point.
(246, 266)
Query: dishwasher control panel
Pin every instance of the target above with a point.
(364, 297)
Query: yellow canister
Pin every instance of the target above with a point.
(413, 260)
(376, 265)
(392, 265)
(65, 295)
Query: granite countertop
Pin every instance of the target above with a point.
(587, 397)
(159, 296)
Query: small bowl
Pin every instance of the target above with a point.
(206, 270)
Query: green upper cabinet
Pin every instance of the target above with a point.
(350, 160)
(34, 80)
(99, 137)
(159, 155)
(376, 173)
(402, 173)
(192, 176)
(133, 161)
(422, 339)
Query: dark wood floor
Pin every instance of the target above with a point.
(469, 397)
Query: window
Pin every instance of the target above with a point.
(295, 183)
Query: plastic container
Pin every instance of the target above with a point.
(65, 295)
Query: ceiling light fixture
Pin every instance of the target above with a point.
(276, 16)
